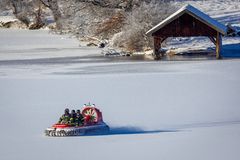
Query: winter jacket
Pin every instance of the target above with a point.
(64, 119)
(79, 119)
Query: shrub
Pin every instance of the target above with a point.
(138, 22)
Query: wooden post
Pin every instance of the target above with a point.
(218, 46)
(157, 47)
(212, 39)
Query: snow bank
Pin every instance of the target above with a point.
(5, 19)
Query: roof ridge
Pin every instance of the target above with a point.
(195, 13)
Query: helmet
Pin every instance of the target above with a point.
(78, 111)
(73, 111)
(66, 110)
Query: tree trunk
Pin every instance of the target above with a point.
(53, 6)
(18, 11)
(38, 19)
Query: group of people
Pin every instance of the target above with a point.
(73, 118)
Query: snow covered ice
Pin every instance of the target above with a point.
(156, 110)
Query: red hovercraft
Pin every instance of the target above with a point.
(93, 125)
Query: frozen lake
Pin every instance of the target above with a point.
(156, 110)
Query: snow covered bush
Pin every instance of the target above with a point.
(143, 17)
(111, 25)
(123, 22)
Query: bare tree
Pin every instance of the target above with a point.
(20, 10)
(27, 11)
(38, 16)
(53, 6)
(5, 5)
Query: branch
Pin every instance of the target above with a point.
(14, 7)
(44, 3)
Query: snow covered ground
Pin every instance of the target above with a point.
(156, 110)
(5, 19)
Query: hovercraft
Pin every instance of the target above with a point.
(92, 125)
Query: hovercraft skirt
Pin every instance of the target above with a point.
(77, 131)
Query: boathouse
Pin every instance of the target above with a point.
(188, 22)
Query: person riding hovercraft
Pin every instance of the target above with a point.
(89, 121)
(65, 118)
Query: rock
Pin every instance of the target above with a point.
(115, 53)
(103, 43)
(110, 52)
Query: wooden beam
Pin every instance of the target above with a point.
(218, 46)
(157, 47)
(213, 40)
